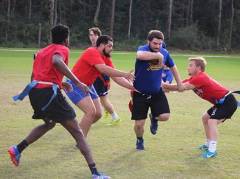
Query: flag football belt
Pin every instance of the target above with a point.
(221, 101)
(31, 85)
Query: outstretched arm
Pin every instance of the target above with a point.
(102, 68)
(124, 83)
(177, 78)
(174, 87)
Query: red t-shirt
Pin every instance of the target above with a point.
(207, 88)
(85, 69)
(43, 68)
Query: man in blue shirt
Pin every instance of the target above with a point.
(148, 77)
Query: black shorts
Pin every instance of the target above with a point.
(58, 110)
(225, 110)
(101, 86)
(158, 104)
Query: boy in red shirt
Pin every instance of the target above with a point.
(48, 103)
(224, 103)
(93, 62)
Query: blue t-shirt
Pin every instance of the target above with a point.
(148, 74)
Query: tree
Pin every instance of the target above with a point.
(96, 15)
(112, 17)
(231, 26)
(190, 12)
(8, 19)
(170, 19)
(219, 22)
(51, 16)
(130, 19)
(30, 10)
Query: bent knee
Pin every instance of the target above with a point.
(139, 124)
(98, 115)
(164, 117)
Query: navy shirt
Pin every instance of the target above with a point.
(148, 75)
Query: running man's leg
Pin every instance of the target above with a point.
(139, 131)
(89, 110)
(98, 108)
(74, 129)
(16, 150)
(108, 106)
(205, 119)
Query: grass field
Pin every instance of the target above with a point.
(172, 153)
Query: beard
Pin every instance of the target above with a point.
(106, 54)
(154, 49)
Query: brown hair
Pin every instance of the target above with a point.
(199, 62)
(155, 34)
(96, 31)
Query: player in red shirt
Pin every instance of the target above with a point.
(93, 62)
(48, 103)
(224, 103)
(102, 83)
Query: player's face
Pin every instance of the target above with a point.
(93, 38)
(155, 44)
(192, 68)
(108, 49)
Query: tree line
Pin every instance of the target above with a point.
(186, 24)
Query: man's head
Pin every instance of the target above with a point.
(94, 33)
(60, 34)
(196, 65)
(105, 45)
(155, 39)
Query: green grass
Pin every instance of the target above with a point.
(172, 153)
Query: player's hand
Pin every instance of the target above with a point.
(130, 76)
(67, 86)
(165, 87)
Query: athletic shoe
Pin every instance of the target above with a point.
(154, 125)
(106, 115)
(114, 122)
(208, 154)
(14, 155)
(101, 176)
(140, 144)
(203, 147)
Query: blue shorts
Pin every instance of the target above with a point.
(77, 94)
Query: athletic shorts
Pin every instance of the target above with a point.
(225, 110)
(77, 94)
(58, 110)
(101, 87)
(158, 104)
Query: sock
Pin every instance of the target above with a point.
(212, 146)
(114, 116)
(93, 169)
(22, 145)
(139, 138)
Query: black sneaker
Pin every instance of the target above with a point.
(140, 144)
(154, 125)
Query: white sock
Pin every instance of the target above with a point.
(212, 146)
(114, 116)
